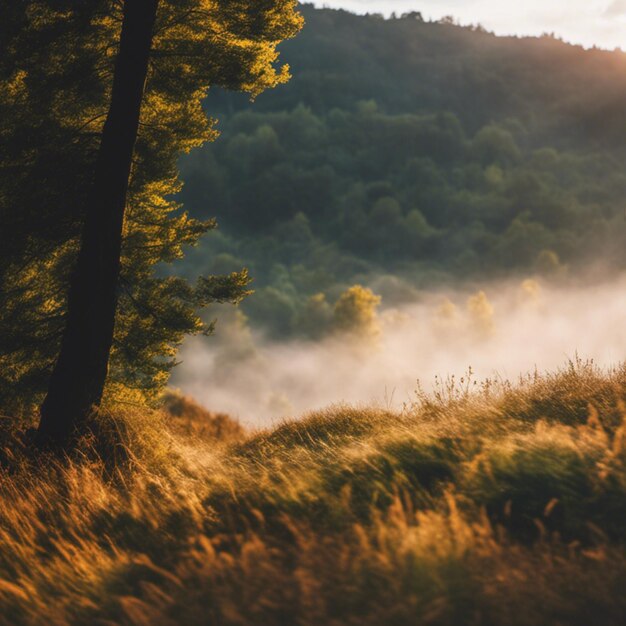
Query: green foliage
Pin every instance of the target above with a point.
(55, 81)
(423, 150)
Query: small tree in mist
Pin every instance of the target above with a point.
(355, 312)
(98, 101)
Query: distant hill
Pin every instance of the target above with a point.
(423, 150)
(411, 66)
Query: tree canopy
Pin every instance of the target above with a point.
(56, 66)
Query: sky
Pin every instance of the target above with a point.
(587, 22)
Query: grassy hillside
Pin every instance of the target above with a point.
(484, 503)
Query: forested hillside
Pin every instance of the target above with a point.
(426, 150)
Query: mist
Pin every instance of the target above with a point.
(501, 329)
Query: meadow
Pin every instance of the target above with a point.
(483, 502)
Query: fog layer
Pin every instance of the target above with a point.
(500, 329)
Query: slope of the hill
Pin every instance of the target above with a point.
(482, 504)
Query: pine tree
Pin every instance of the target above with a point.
(58, 65)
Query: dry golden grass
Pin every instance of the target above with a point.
(186, 417)
(482, 504)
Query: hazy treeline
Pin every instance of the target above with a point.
(420, 149)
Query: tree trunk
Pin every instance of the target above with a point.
(77, 381)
